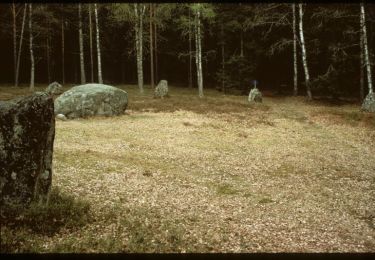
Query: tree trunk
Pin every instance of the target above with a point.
(190, 55)
(295, 75)
(14, 41)
(63, 51)
(362, 64)
(139, 42)
(20, 45)
(198, 55)
(222, 59)
(48, 56)
(100, 78)
(365, 46)
(91, 54)
(156, 51)
(304, 58)
(151, 50)
(81, 54)
(31, 49)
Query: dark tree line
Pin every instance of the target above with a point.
(308, 49)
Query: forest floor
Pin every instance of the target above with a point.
(213, 175)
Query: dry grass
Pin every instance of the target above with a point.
(215, 175)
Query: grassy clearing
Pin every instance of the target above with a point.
(212, 175)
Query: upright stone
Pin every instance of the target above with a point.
(54, 88)
(27, 132)
(369, 103)
(161, 89)
(255, 95)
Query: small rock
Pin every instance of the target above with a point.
(54, 88)
(61, 117)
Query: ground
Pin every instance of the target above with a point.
(214, 175)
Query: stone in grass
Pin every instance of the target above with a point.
(161, 89)
(369, 103)
(255, 95)
(91, 99)
(54, 88)
(61, 117)
(27, 132)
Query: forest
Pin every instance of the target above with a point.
(187, 127)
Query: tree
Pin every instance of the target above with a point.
(151, 47)
(304, 55)
(32, 73)
(295, 68)
(91, 54)
(100, 78)
(81, 52)
(20, 46)
(365, 48)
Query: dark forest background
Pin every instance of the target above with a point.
(331, 32)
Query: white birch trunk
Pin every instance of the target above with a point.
(32, 73)
(190, 55)
(63, 51)
(20, 45)
(295, 75)
(14, 41)
(138, 42)
(81, 54)
(362, 64)
(304, 56)
(151, 50)
(365, 46)
(199, 43)
(91, 54)
(100, 78)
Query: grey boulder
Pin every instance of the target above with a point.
(161, 89)
(91, 99)
(27, 132)
(255, 95)
(369, 103)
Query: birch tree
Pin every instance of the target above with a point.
(152, 83)
(81, 53)
(100, 78)
(198, 49)
(304, 55)
(63, 50)
(14, 40)
(32, 72)
(365, 49)
(295, 72)
(20, 45)
(139, 11)
(91, 54)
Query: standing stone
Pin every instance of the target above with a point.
(255, 95)
(161, 89)
(54, 88)
(369, 103)
(91, 99)
(27, 132)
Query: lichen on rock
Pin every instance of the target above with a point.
(27, 132)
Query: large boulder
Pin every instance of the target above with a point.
(369, 103)
(27, 132)
(161, 89)
(54, 88)
(255, 95)
(91, 99)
